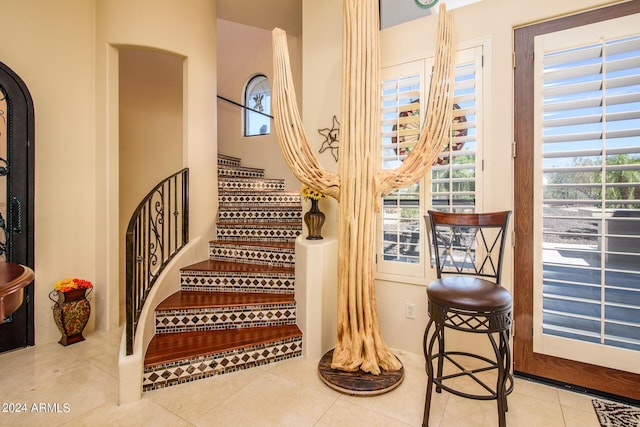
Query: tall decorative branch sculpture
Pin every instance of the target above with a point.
(360, 183)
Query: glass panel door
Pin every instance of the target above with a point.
(587, 211)
(575, 229)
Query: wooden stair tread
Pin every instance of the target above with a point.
(236, 267)
(197, 299)
(173, 347)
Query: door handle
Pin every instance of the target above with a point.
(4, 170)
(17, 212)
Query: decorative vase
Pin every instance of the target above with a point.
(71, 312)
(314, 219)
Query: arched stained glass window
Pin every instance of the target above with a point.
(257, 97)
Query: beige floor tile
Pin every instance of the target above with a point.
(436, 413)
(410, 359)
(303, 372)
(405, 403)
(270, 400)
(138, 414)
(103, 351)
(66, 392)
(27, 367)
(536, 390)
(462, 412)
(343, 413)
(574, 400)
(531, 412)
(194, 399)
(577, 418)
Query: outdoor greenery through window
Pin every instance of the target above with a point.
(401, 210)
(451, 185)
(590, 180)
(257, 97)
(453, 177)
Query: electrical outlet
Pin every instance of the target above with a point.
(410, 311)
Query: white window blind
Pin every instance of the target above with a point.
(590, 177)
(401, 122)
(452, 183)
(453, 177)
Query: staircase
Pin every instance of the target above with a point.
(235, 310)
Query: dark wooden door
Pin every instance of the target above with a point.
(526, 360)
(17, 189)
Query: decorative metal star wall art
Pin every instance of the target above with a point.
(331, 138)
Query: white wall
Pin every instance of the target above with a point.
(66, 52)
(490, 20)
(57, 67)
(150, 131)
(321, 85)
(243, 52)
(152, 25)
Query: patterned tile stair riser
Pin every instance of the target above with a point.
(225, 318)
(275, 255)
(240, 282)
(237, 171)
(277, 214)
(259, 199)
(276, 232)
(250, 184)
(183, 371)
(613, 414)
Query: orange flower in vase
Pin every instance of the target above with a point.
(68, 284)
(71, 309)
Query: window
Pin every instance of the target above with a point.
(454, 179)
(257, 99)
(402, 90)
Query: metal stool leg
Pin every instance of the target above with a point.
(440, 334)
(503, 362)
(427, 348)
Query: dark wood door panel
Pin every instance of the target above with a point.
(526, 361)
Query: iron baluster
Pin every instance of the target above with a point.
(149, 247)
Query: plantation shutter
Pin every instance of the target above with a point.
(590, 192)
(453, 181)
(401, 122)
(454, 176)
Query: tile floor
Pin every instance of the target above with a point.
(77, 386)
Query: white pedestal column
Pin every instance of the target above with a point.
(317, 294)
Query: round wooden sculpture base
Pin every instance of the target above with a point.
(358, 383)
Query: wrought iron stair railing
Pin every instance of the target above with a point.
(237, 104)
(157, 231)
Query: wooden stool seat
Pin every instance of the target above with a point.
(469, 293)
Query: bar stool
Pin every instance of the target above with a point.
(467, 296)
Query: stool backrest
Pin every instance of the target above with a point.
(468, 244)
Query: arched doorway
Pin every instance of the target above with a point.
(17, 177)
